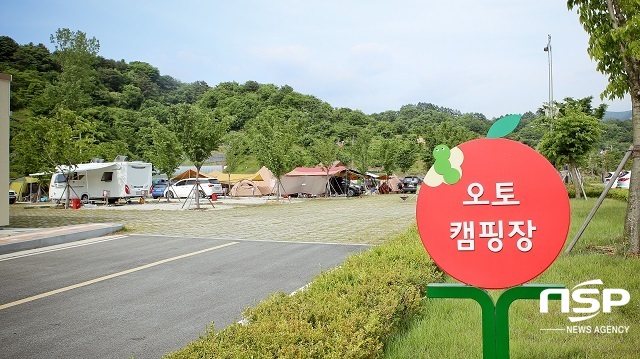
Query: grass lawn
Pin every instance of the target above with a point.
(450, 328)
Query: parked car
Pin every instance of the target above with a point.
(13, 196)
(184, 188)
(410, 184)
(339, 187)
(623, 179)
(158, 189)
(621, 182)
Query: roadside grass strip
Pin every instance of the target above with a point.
(346, 312)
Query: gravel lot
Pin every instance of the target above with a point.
(368, 219)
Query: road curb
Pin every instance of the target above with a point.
(44, 237)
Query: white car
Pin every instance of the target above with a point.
(185, 187)
(621, 182)
(13, 196)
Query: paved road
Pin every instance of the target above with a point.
(142, 295)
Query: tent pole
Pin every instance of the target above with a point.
(346, 183)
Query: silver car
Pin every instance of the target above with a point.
(185, 187)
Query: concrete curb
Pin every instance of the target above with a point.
(51, 236)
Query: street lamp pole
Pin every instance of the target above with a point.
(547, 49)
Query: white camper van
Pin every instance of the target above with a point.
(101, 180)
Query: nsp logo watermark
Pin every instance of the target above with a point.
(591, 301)
(611, 297)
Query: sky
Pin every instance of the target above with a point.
(370, 55)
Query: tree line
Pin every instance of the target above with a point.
(70, 105)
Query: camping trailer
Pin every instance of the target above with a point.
(101, 180)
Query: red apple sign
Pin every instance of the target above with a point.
(502, 223)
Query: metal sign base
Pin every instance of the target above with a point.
(495, 318)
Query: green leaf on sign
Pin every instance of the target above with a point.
(504, 126)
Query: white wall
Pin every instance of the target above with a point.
(5, 81)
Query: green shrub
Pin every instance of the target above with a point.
(594, 191)
(347, 312)
(619, 194)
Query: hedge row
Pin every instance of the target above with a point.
(594, 191)
(347, 312)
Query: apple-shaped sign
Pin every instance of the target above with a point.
(492, 213)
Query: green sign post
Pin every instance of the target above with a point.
(495, 318)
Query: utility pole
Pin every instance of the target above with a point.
(550, 110)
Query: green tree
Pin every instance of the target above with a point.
(26, 153)
(235, 148)
(167, 154)
(273, 136)
(199, 134)
(531, 129)
(476, 123)
(325, 152)
(34, 57)
(130, 98)
(614, 42)
(386, 155)
(8, 47)
(47, 143)
(584, 105)
(406, 154)
(41, 143)
(110, 150)
(145, 77)
(361, 152)
(76, 55)
(574, 135)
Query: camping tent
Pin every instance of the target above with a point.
(188, 174)
(267, 181)
(306, 185)
(228, 179)
(263, 180)
(25, 187)
(389, 184)
(316, 171)
(245, 188)
(311, 180)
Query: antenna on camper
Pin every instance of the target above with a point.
(120, 158)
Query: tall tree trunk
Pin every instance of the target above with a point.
(631, 230)
(68, 191)
(278, 192)
(575, 178)
(327, 189)
(632, 69)
(197, 187)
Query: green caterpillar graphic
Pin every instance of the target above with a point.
(442, 165)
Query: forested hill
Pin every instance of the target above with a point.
(73, 105)
(623, 115)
